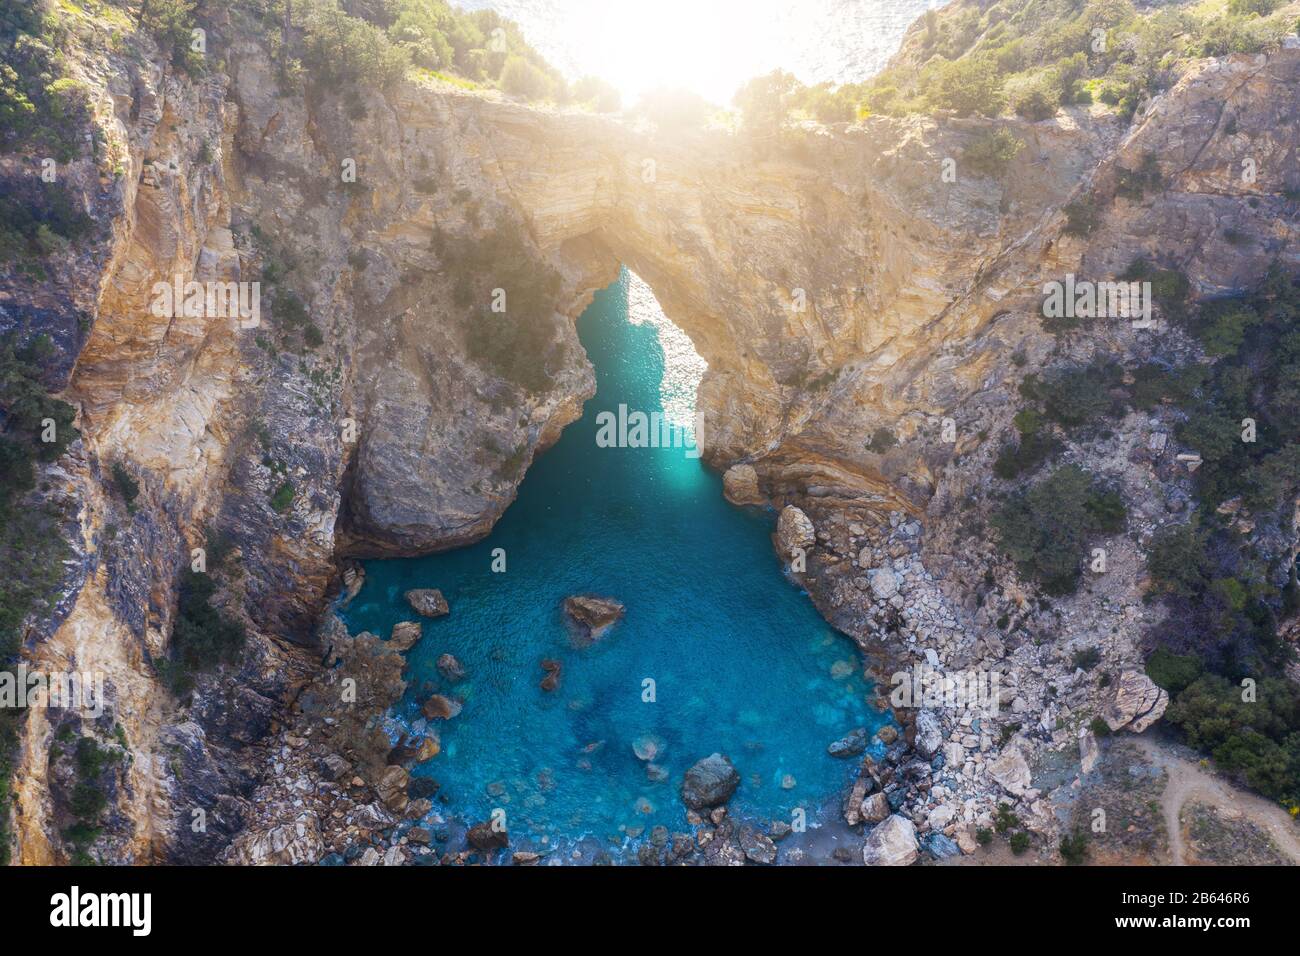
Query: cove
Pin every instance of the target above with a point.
(717, 651)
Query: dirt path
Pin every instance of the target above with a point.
(1189, 781)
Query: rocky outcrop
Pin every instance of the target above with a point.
(794, 532)
(740, 485)
(406, 634)
(592, 616)
(709, 782)
(1136, 703)
(428, 602)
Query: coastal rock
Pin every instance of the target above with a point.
(794, 532)
(740, 485)
(592, 616)
(757, 846)
(486, 838)
(451, 669)
(891, 843)
(884, 583)
(929, 733)
(291, 844)
(941, 847)
(427, 601)
(392, 788)
(850, 745)
(1136, 703)
(552, 668)
(875, 808)
(710, 782)
(441, 707)
(406, 634)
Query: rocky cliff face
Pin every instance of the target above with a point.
(835, 285)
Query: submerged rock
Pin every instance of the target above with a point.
(441, 707)
(552, 679)
(591, 615)
(850, 745)
(427, 601)
(891, 843)
(450, 668)
(709, 782)
(406, 634)
(647, 747)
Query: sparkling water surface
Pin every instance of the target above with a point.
(739, 660)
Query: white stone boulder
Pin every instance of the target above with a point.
(891, 843)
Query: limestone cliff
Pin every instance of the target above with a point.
(835, 285)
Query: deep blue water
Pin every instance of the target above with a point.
(741, 662)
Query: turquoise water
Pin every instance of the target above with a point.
(740, 661)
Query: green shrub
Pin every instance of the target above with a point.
(1173, 672)
(1099, 727)
(1135, 183)
(1074, 848)
(1019, 842)
(125, 484)
(1081, 216)
(1257, 742)
(282, 497)
(1034, 99)
(992, 152)
(1045, 528)
(1086, 658)
(518, 343)
(967, 86)
(881, 441)
(202, 636)
(521, 78)
(343, 51)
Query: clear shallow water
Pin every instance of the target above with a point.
(741, 662)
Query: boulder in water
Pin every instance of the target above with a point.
(552, 668)
(441, 707)
(450, 668)
(647, 747)
(850, 745)
(427, 601)
(486, 838)
(709, 782)
(406, 634)
(592, 616)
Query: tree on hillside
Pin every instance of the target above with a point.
(764, 103)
